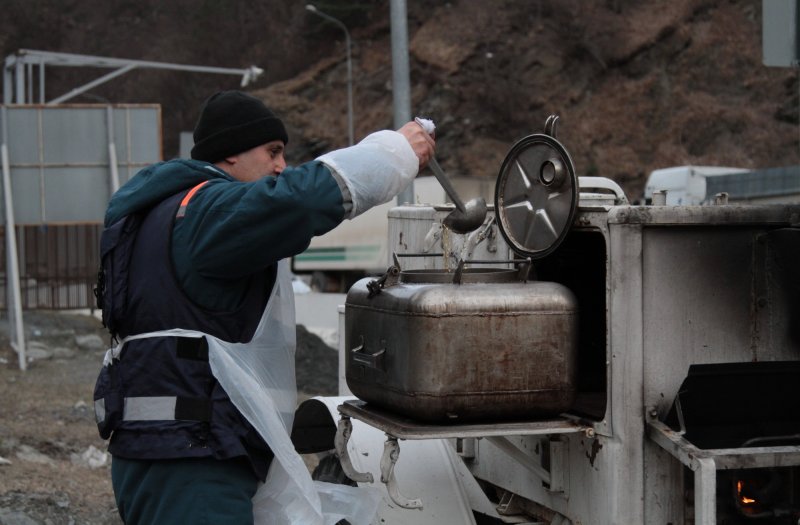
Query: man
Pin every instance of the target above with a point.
(199, 394)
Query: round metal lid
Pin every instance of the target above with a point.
(536, 195)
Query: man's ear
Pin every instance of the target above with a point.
(232, 160)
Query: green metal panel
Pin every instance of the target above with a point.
(341, 253)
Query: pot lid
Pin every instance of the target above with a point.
(536, 194)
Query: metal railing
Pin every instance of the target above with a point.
(58, 265)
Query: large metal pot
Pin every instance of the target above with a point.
(491, 347)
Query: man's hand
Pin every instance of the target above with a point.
(422, 143)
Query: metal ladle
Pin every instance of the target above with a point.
(466, 217)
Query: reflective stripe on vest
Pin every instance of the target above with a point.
(100, 410)
(185, 201)
(166, 408)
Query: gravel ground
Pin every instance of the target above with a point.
(53, 465)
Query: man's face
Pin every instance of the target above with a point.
(253, 164)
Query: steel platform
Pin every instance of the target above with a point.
(405, 428)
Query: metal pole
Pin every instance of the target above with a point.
(90, 85)
(349, 89)
(41, 82)
(19, 74)
(400, 71)
(311, 8)
(112, 150)
(29, 74)
(14, 301)
(401, 78)
(69, 59)
(705, 492)
(27, 56)
(8, 79)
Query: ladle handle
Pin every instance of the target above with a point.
(428, 126)
(445, 182)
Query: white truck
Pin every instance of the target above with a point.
(697, 185)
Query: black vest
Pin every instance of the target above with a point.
(159, 400)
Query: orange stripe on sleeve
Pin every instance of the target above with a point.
(191, 193)
(187, 198)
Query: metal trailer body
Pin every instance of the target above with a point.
(682, 285)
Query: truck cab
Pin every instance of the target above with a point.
(684, 185)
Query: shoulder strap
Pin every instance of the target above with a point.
(111, 291)
(187, 198)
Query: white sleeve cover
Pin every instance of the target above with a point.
(374, 170)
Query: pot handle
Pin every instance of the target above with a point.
(363, 358)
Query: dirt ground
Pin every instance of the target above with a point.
(53, 466)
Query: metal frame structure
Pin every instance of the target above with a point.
(497, 434)
(18, 88)
(32, 131)
(18, 73)
(706, 463)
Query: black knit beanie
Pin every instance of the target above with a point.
(232, 122)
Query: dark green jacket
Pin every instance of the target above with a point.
(233, 229)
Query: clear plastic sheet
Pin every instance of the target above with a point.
(260, 380)
(259, 377)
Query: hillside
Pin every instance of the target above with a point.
(638, 85)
